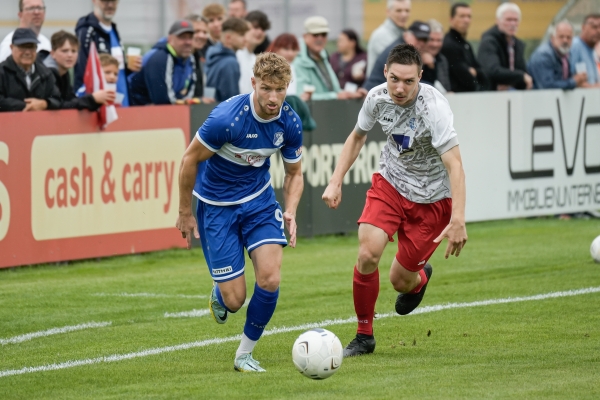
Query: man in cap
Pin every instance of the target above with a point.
(25, 84)
(153, 85)
(313, 71)
(416, 35)
(31, 15)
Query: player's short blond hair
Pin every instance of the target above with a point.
(272, 67)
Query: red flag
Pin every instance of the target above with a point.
(94, 80)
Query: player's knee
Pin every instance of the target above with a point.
(269, 283)
(367, 260)
(402, 286)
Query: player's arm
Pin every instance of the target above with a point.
(186, 223)
(333, 193)
(456, 231)
(293, 185)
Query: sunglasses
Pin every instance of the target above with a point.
(316, 35)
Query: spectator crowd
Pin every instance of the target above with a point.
(209, 56)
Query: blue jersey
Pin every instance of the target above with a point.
(243, 143)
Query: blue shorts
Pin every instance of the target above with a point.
(226, 230)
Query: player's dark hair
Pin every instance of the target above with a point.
(259, 19)
(456, 6)
(236, 25)
(405, 54)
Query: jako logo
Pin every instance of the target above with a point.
(388, 119)
(252, 136)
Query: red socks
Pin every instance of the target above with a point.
(420, 285)
(365, 291)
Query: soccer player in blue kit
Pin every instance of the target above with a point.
(237, 206)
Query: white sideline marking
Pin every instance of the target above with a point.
(53, 331)
(204, 343)
(181, 296)
(188, 314)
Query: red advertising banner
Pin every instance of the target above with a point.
(68, 191)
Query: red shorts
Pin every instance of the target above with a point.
(417, 224)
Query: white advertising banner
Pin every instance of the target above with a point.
(529, 154)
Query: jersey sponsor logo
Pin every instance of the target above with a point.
(278, 139)
(252, 136)
(252, 159)
(221, 271)
(403, 143)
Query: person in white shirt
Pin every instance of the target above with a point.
(246, 58)
(418, 193)
(31, 15)
(398, 12)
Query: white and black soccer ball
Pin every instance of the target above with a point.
(317, 353)
(595, 249)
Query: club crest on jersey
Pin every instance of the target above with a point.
(278, 138)
(412, 123)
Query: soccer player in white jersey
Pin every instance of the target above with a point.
(227, 168)
(418, 193)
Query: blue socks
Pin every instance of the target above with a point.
(260, 310)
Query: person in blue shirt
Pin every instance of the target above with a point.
(227, 168)
(582, 51)
(222, 67)
(168, 70)
(97, 27)
(549, 64)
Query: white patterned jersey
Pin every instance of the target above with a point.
(417, 135)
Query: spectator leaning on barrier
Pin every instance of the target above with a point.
(398, 13)
(26, 84)
(466, 74)
(222, 68)
(169, 70)
(237, 9)
(312, 65)
(549, 64)
(350, 61)
(501, 54)
(582, 51)
(63, 57)
(440, 63)
(31, 15)
(260, 25)
(97, 27)
(416, 35)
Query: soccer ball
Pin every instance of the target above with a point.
(595, 249)
(317, 353)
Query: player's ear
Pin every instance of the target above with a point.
(385, 71)
(253, 80)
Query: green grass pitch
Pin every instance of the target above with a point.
(534, 348)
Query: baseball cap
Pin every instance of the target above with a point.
(420, 29)
(24, 36)
(181, 26)
(316, 25)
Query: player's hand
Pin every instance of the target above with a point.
(186, 223)
(290, 223)
(456, 232)
(332, 196)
